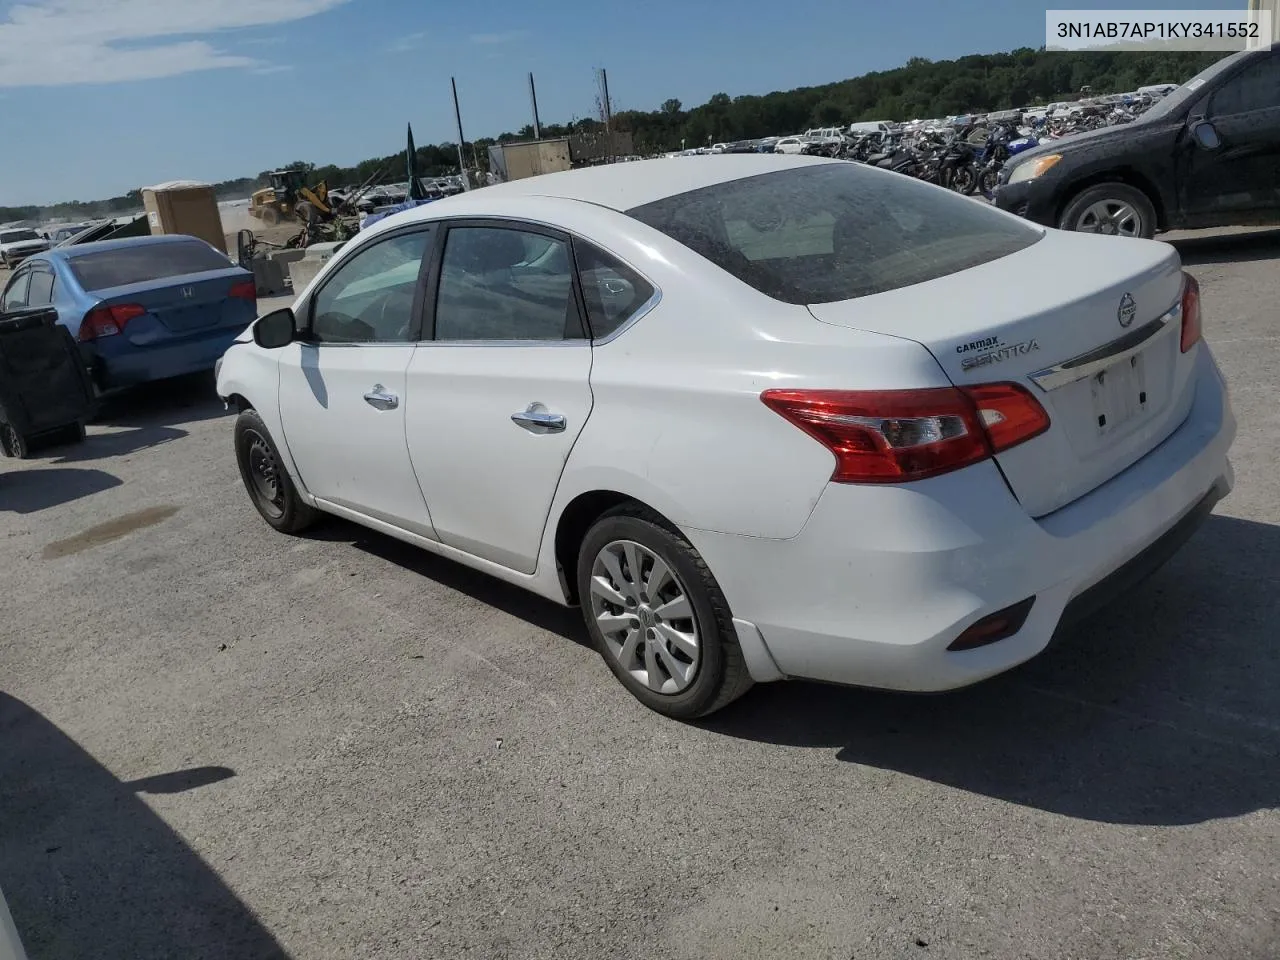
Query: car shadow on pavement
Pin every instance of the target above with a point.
(120, 443)
(542, 613)
(1160, 710)
(30, 491)
(89, 870)
(1229, 247)
(186, 399)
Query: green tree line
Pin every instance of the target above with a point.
(920, 89)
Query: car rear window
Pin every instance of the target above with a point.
(835, 231)
(121, 266)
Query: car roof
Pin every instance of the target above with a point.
(622, 186)
(80, 249)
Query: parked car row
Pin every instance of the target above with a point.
(733, 412)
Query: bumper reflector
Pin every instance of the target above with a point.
(995, 626)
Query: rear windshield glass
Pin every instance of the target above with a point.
(835, 231)
(154, 261)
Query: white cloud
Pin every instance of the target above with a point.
(410, 41)
(60, 42)
(506, 37)
(272, 68)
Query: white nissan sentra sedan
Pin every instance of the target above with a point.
(759, 416)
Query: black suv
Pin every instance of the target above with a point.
(1207, 155)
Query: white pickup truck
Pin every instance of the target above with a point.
(18, 244)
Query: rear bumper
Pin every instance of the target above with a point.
(882, 579)
(115, 363)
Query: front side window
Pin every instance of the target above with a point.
(1256, 87)
(818, 234)
(613, 291)
(369, 298)
(498, 283)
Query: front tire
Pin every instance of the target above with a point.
(657, 616)
(12, 443)
(1113, 209)
(265, 478)
(965, 180)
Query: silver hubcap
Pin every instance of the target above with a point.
(1112, 217)
(644, 614)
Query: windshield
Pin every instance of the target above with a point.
(1177, 100)
(15, 236)
(121, 266)
(835, 231)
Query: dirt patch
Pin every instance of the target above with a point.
(102, 533)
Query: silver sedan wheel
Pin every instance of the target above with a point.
(645, 616)
(1112, 217)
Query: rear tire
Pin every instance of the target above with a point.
(1115, 209)
(686, 604)
(270, 487)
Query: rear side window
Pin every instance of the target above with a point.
(613, 291)
(41, 292)
(835, 231)
(153, 261)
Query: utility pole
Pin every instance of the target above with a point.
(533, 97)
(457, 115)
(608, 107)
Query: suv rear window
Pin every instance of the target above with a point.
(104, 269)
(835, 231)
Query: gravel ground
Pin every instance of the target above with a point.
(217, 741)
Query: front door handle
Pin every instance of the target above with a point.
(380, 399)
(536, 419)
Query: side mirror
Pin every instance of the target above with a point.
(1206, 136)
(276, 329)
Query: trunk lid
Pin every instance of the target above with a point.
(186, 305)
(1075, 319)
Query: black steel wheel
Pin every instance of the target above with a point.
(265, 478)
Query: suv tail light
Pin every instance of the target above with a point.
(892, 436)
(1190, 312)
(107, 321)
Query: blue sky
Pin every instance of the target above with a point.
(102, 96)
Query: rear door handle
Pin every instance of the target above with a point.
(380, 399)
(537, 419)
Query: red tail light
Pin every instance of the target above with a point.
(892, 436)
(107, 321)
(1190, 312)
(245, 290)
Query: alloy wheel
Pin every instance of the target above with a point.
(645, 615)
(1111, 217)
